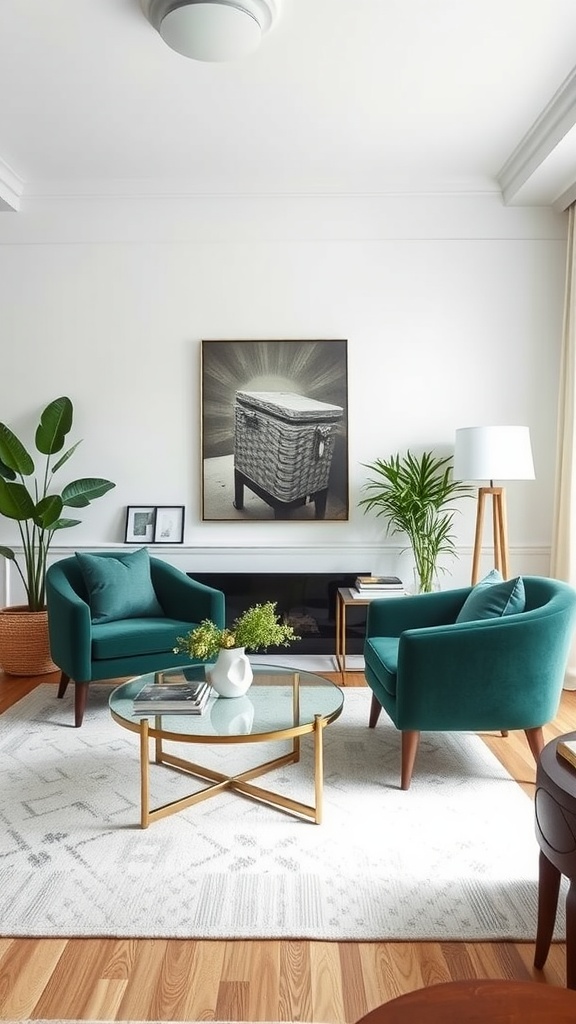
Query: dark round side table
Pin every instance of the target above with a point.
(555, 813)
(478, 1002)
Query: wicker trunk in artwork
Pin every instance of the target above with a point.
(283, 448)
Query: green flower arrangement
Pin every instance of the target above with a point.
(255, 629)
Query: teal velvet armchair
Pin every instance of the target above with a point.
(86, 651)
(431, 673)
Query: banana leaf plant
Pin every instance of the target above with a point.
(415, 493)
(36, 507)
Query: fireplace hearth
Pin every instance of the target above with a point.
(305, 600)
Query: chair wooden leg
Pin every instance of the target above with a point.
(80, 700)
(375, 709)
(410, 741)
(535, 739)
(503, 732)
(64, 680)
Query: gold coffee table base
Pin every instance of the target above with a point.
(283, 705)
(238, 783)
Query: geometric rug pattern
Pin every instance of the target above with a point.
(454, 858)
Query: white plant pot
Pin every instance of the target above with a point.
(231, 674)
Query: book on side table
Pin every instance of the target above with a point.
(379, 583)
(367, 587)
(567, 750)
(377, 586)
(172, 693)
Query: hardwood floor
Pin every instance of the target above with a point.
(157, 979)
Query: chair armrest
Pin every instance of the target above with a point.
(390, 616)
(499, 673)
(184, 598)
(69, 627)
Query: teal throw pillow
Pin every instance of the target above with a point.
(489, 600)
(119, 586)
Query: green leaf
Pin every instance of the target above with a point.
(13, 453)
(64, 458)
(15, 501)
(47, 511)
(55, 423)
(63, 524)
(80, 493)
(7, 553)
(6, 472)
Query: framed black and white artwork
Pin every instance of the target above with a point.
(140, 521)
(274, 430)
(169, 524)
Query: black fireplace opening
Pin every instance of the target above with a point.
(307, 601)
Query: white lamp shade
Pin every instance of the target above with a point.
(493, 453)
(212, 30)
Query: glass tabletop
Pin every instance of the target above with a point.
(267, 707)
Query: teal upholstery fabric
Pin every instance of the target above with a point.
(382, 654)
(85, 651)
(488, 600)
(125, 638)
(119, 586)
(498, 673)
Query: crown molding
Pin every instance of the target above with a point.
(540, 141)
(11, 188)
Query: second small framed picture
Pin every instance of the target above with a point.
(140, 521)
(169, 524)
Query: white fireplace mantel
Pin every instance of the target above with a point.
(383, 558)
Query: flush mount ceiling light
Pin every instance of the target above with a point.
(212, 30)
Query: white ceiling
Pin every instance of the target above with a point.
(343, 96)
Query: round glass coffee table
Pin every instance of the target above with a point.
(281, 704)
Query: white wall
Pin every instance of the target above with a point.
(452, 307)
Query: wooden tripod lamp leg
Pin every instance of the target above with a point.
(501, 532)
(478, 534)
(497, 530)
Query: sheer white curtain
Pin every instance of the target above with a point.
(563, 558)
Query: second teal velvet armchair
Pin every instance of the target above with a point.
(431, 673)
(86, 651)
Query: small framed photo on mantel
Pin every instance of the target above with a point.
(140, 521)
(169, 524)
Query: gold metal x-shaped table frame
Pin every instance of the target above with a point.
(218, 781)
(239, 783)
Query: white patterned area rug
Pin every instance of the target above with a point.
(455, 857)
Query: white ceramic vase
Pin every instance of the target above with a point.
(232, 717)
(231, 674)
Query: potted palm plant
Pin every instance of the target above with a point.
(37, 509)
(415, 493)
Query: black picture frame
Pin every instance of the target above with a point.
(169, 524)
(283, 456)
(140, 524)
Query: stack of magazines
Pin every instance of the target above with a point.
(172, 696)
(377, 586)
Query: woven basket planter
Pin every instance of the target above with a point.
(24, 644)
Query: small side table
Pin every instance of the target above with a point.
(344, 600)
(555, 812)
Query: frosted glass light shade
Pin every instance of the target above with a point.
(211, 30)
(493, 453)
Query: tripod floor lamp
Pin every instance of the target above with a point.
(492, 453)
